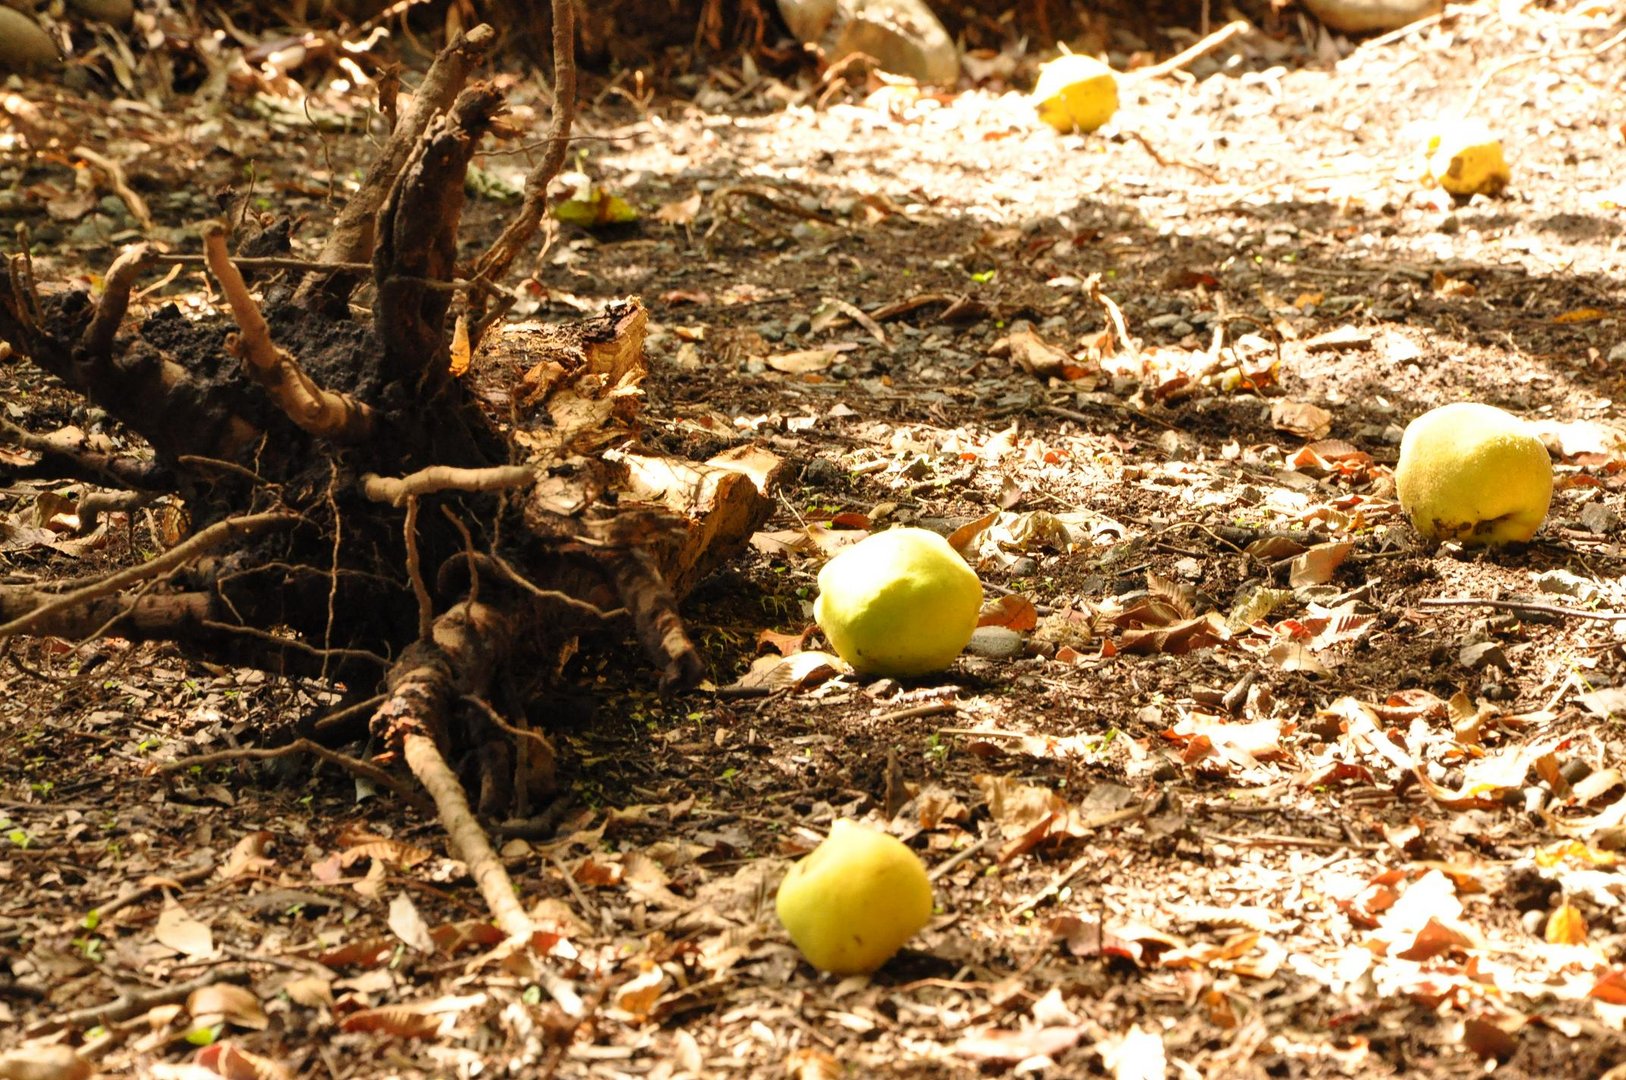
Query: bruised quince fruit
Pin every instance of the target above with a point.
(900, 603)
(853, 901)
(1473, 473)
(1076, 93)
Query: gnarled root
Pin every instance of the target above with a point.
(464, 648)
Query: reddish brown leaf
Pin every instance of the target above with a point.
(1611, 987)
(1436, 939)
(1012, 612)
(1489, 1039)
(400, 1020)
(590, 871)
(783, 644)
(358, 954)
(453, 938)
(235, 1063)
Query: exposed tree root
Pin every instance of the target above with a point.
(355, 766)
(350, 239)
(660, 627)
(323, 413)
(121, 276)
(362, 509)
(216, 535)
(457, 660)
(521, 230)
(397, 490)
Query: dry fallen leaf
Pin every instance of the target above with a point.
(44, 1063)
(1300, 418)
(638, 995)
(237, 1005)
(680, 211)
(999, 1046)
(1138, 1055)
(1566, 926)
(180, 931)
(1319, 564)
(408, 925)
(311, 991)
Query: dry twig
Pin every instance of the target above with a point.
(1524, 606)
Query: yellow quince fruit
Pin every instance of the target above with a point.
(1075, 93)
(853, 901)
(900, 602)
(1473, 473)
(1465, 159)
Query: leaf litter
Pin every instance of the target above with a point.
(1263, 785)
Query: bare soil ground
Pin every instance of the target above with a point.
(1245, 801)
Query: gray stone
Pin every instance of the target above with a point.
(1369, 16)
(995, 642)
(903, 36)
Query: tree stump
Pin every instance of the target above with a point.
(430, 503)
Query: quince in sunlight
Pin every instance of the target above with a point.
(1473, 473)
(1076, 93)
(853, 901)
(900, 603)
(1465, 159)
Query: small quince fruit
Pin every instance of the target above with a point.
(1465, 159)
(853, 901)
(1075, 93)
(900, 603)
(1473, 473)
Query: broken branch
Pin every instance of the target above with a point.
(65, 453)
(355, 766)
(120, 183)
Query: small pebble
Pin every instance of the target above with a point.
(995, 642)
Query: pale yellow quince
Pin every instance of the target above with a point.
(1465, 158)
(1473, 473)
(1075, 93)
(900, 603)
(853, 901)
